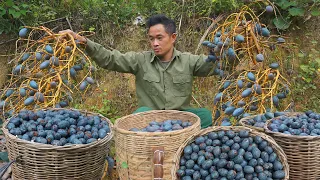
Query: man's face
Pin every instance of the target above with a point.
(161, 42)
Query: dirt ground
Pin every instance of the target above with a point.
(3, 70)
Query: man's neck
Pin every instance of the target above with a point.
(167, 57)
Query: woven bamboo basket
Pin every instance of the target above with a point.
(303, 153)
(244, 121)
(45, 161)
(135, 148)
(277, 149)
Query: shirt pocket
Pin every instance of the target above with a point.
(182, 84)
(151, 82)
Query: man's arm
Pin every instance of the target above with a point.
(109, 59)
(204, 68)
(113, 60)
(201, 67)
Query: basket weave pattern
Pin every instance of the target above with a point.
(303, 153)
(45, 161)
(135, 148)
(277, 149)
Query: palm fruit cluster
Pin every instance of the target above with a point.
(48, 70)
(251, 78)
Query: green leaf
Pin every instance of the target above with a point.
(317, 60)
(2, 11)
(300, 55)
(23, 12)
(304, 68)
(310, 56)
(308, 80)
(315, 12)
(124, 165)
(24, 5)
(284, 4)
(281, 23)
(14, 13)
(11, 11)
(16, 8)
(9, 3)
(92, 29)
(4, 156)
(296, 11)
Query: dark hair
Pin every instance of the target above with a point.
(168, 23)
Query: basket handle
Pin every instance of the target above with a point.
(4, 168)
(158, 157)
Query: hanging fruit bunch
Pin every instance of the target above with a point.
(251, 92)
(245, 47)
(47, 72)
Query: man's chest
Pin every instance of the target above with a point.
(175, 78)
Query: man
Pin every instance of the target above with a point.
(164, 76)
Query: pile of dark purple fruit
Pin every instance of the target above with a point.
(304, 124)
(165, 126)
(230, 155)
(58, 127)
(260, 120)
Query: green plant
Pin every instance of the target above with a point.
(295, 9)
(226, 5)
(93, 14)
(309, 72)
(11, 14)
(306, 82)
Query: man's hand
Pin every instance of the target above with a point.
(74, 35)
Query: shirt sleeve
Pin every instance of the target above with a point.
(113, 59)
(201, 67)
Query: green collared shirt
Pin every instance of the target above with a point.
(156, 87)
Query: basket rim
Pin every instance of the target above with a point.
(41, 146)
(244, 121)
(289, 136)
(123, 131)
(277, 149)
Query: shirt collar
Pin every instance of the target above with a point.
(176, 53)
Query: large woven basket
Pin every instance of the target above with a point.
(45, 161)
(277, 149)
(303, 153)
(134, 149)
